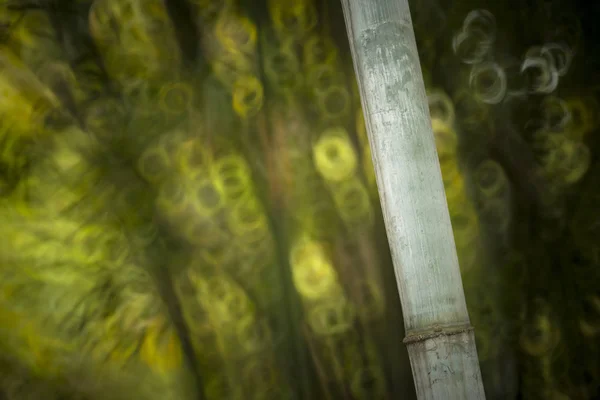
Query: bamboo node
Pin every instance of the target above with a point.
(435, 331)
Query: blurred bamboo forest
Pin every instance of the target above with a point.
(189, 210)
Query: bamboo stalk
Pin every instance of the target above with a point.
(439, 336)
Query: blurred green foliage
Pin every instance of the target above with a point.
(189, 207)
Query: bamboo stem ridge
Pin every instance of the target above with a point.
(440, 339)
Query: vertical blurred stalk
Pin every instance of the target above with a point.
(439, 336)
